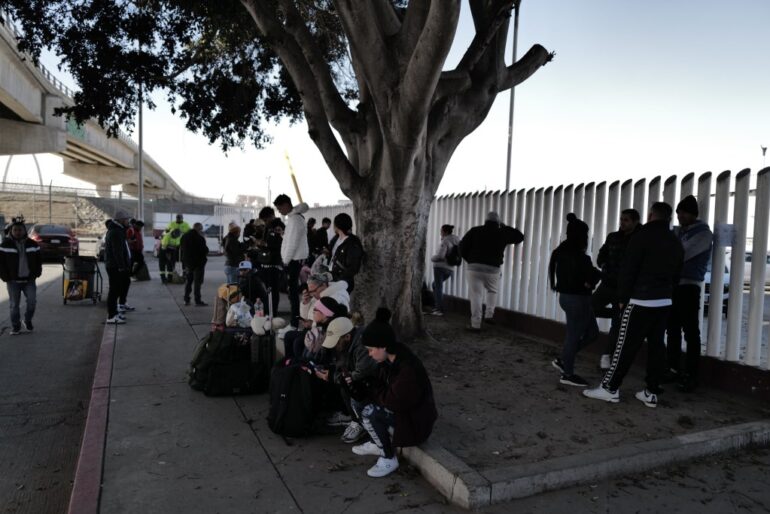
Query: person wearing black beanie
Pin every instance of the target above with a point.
(403, 403)
(574, 277)
(696, 238)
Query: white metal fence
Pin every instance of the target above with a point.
(736, 211)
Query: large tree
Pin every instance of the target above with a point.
(367, 75)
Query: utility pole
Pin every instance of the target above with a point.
(517, 6)
(269, 194)
(140, 211)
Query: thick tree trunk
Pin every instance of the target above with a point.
(392, 222)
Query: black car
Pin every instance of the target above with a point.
(56, 241)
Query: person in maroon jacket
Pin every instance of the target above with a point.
(402, 405)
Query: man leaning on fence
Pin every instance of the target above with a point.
(483, 249)
(20, 265)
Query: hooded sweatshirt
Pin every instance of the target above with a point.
(336, 290)
(447, 242)
(696, 240)
(294, 246)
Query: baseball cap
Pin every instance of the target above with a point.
(244, 265)
(336, 329)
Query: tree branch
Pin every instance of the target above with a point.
(389, 22)
(339, 115)
(425, 64)
(414, 21)
(290, 53)
(521, 70)
(496, 16)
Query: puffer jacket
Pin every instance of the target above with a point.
(9, 259)
(336, 290)
(294, 246)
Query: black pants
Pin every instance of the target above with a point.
(194, 276)
(603, 296)
(124, 294)
(684, 318)
(271, 277)
(167, 262)
(293, 272)
(636, 324)
(119, 282)
(294, 344)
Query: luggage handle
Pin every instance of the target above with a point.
(270, 307)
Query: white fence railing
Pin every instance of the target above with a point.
(737, 213)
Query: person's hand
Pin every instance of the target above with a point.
(323, 375)
(326, 252)
(348, 380)
(308, 324)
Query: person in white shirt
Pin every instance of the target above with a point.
(294, 248)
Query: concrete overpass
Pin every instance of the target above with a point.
(28, 96)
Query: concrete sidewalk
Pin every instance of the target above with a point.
(171, 449)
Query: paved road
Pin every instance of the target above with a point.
(45, 385)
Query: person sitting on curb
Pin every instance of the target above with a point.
(353, 369)
(403, 403)
(20, 265)
(573, 276)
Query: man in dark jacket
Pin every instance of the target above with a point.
(194, 256)
(483, 249)
(20, 265)
(696, 238)
(347, 251)
(609, 259)
(648, 275)
(117, 261)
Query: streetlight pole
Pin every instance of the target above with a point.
(140, 211)
(513, 97)
(269, 195)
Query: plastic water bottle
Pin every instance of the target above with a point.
(259, 309)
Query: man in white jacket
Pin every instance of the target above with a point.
(294, 249)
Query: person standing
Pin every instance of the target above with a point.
(696, 238)
(194, 252)
(648, 275)
(347, 251)
(136, 244)
(20, 265)
(294, 249)
(117, 261)
(483, 249)
(169, 245)
(234, 252)
(610, 256)
(442, 268)
(573, 276)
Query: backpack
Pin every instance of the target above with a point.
(292, 402)
(453, 257)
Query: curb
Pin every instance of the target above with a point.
(86, 487)
(470, 489)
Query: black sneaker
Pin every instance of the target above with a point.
(572, 380)
(187, 301)
(15, 331)
(201, 304)
(556, 363)
(28, 326)
(471, 328)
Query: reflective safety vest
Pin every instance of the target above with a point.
(173, 235)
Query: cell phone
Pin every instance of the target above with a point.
(320, 367)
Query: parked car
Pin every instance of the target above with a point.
(747, 269)
(56, 241)
(725, 290)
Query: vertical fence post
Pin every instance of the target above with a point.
(599, 229)
(704, 208)
(718, 267)
(545, 252)
(527, 258)
(577, 202)
(640, 190)
(508, 216)
(50, 202)
(613, 207)
(626, 195)
(687, 187)
(737, 266)
(653, 194)
(557, 216)
(669, 191)
(534, 276)
(518, 251)
(758, 269)
(589, 208)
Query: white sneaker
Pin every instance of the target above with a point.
(368, 448)
(604, 362)
(384, 467)
(436, 312)
(125, 308)
(647, 398)
(600, 393)
(15, 331)
(338, 419)
(116, 320)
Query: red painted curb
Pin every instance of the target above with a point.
(86, 487)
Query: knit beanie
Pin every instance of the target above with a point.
(575, 227)
(379, 333)
(688, 204)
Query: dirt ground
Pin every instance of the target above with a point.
(500, 402)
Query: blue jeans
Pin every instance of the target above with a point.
(231, 272)
(14, 298)
(581, 327)
(440, 275)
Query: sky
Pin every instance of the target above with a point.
(637, 89)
